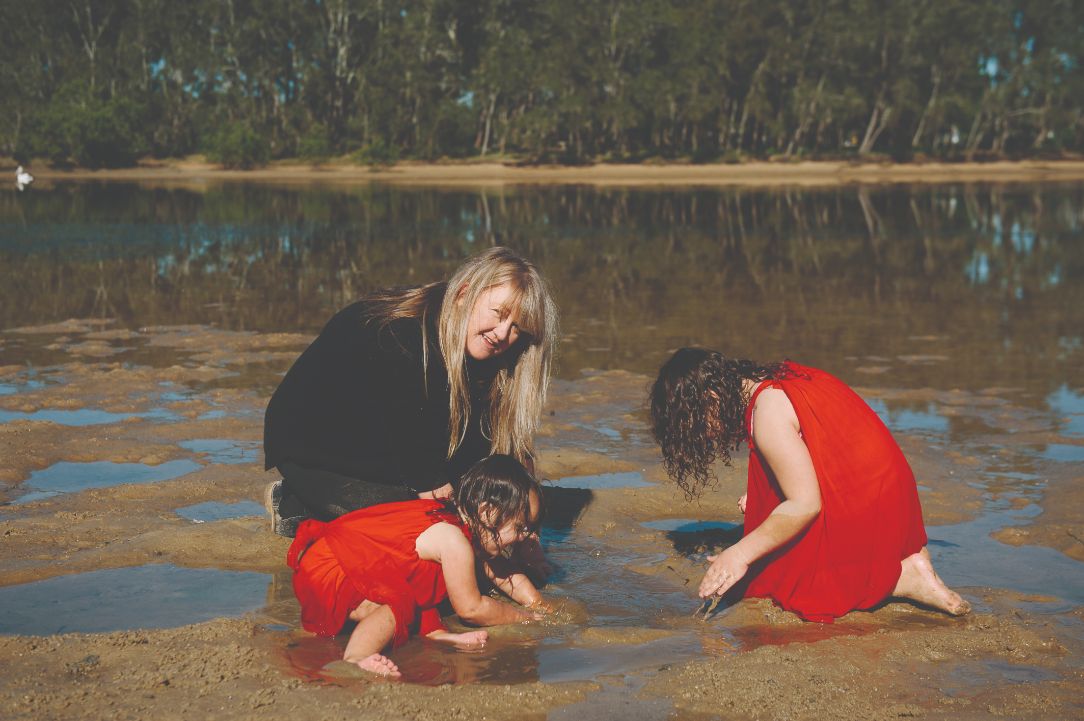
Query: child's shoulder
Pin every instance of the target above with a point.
(443, 540)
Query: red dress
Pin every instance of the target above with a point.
(870, 519)
(369, 554)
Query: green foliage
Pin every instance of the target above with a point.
(314, 144)
(237, 145)
(550, 80)
(91, 132)
(376, 153)
(108, 135)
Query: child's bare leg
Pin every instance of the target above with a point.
(920, 582)
(375, 628)
(470, 639)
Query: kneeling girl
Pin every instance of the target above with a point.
(388, 567)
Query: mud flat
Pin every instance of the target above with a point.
(140, 580)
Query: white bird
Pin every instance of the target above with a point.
(22, 178)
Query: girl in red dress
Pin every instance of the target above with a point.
(388, 567)
(832, 516)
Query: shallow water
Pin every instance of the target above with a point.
(906, 420)
(67, 477)
(966, 554)
(82, 416)
(153, 596)
(628, 479)
(914, 286)
(218, 450)
(1070, 406)
(688, 525)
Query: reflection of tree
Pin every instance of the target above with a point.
(813, 274)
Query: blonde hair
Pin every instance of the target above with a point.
(518, 393)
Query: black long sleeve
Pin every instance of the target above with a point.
(358, 402)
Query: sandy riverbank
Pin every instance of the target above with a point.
(473, 174)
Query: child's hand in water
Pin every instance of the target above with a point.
(742, 501)
(726, 569)
(542, 610)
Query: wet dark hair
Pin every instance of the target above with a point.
(503, 483)
(698, 412)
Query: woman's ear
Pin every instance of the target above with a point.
(461, 294)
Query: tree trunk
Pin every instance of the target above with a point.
(745, 103)
(489, 122)
(917, 137)
(90, 36)
(974, 136)
(803, 126)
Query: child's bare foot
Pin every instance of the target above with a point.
(380, 665)
(468, 640)
(920, 582)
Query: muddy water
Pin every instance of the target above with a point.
(131, 434)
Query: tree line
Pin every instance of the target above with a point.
(105, 82)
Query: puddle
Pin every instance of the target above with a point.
(214, 511)
(965, 555)
(569, 663)
(225, 451)
(696, 538)
(502, 661)
(749, 638)
(910, 421)
(152, 596)
(686, 525)
(11, 389)
(82, 416)
(629, 479)
(1070, 405)
(1063, 453)
(68, 477)
(610, 433)
(970, 678)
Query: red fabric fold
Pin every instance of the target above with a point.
(871, 518)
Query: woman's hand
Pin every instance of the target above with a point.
(742, 501)
(726, 569)
(437, 494)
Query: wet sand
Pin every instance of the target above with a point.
(477, 173)
(625, 644)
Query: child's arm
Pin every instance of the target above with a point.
(511, 582)
(446, 544)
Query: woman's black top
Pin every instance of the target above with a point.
(358, 402)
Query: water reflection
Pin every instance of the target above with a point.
(152, 596)
(993, 271)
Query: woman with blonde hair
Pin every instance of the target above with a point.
(407, 388)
